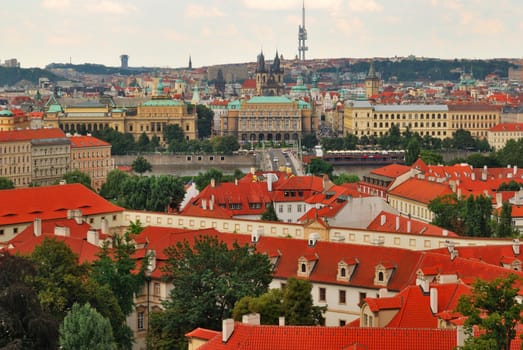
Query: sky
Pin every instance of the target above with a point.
(164, 33)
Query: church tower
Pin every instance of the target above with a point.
(372, 82)
(269, 82)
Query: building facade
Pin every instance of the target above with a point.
(439, 121)
(499, 135)
(34, 156)
(93, 157)
(150, 117)
(268, 118)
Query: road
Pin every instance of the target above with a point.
(277, 159)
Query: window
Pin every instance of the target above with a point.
(140, 320)
(342, 323)
(280, 208)
(322, 294)
(362, 298)
(15, 230)
(380, 276)
(343, 272)
(342, 297)
(303, 268)
(156, 290)
(289, 208)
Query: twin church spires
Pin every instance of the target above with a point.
(269, 81)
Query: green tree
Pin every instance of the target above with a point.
(202, 180)
(225, 144)
(309, 141)
(23, 323)
(430, 157)
(476, 213)
(298, 306)
(269, 305)
(173, 133)
(166, 193)
(412, 151)
(270, 213)
(77, 177)
(142, 145)
(509, 186)
(318, 166)
(205, 119)
(6, 184)
(462, 139)
(112, 188)
(59, 277)
(446, 212)
(294, 302)
(344, 178)
(84, 329)
(141, 165)
(511, 154)
(210, 278)
(493, 308)
(503, 226)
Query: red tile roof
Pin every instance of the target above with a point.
(392, 170)
(506, 127)
(30, 134)
(420, 190)
(78, 141)
(202, 333)
(23, 205)
(416, 227)
(333, 338)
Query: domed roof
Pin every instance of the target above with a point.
(6, 113)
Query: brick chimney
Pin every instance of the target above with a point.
(37, 227)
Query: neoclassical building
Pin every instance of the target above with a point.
(150, 117)
(268, 118)
(440, 121)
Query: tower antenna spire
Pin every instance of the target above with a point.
(302, 35)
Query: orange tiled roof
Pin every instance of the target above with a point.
(420, 190)
(506, 127)
(79, 141)
(23, 205)
(392, 170)
(398, 223)
(30, 134)
(333, 338)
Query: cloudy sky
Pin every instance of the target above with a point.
(163, 33)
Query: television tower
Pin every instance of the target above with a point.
(302, 36)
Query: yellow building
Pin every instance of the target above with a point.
(439, 121)
(13, 121)
(150, 117)
(268, 118)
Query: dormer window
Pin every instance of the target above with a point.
(383, 274)
(306, 264)
(346, 268)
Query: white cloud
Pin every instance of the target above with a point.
(200, 11)
(364, 6)
(290, 4)
(55, 4)
(110, 7)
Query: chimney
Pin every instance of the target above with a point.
(515, 170)
(459, 193)
(204, 204)
(269, 182)
(211, 202)
(105, 226)
(515, 246)
(61, 231)
(445, 233)
(252, 319)
(227, 329)
(93, 237)
(499, 199)
(236, 182)
(383, 219)
(213, 183)
(473, 176)
(434, 300)
(281, 321)
(253, 170)
(397, 223)
(37, 227)
(461, 336)
(484, 173)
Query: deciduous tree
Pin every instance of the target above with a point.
(77, 177)
(141, 165)
(493, 308)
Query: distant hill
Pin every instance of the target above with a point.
(431, 69)
(14, 76)
(99, 69)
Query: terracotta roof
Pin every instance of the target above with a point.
(78, 141)
(392, 170)
(202, 333)
(30, 134)
(398, 223)
(506, 127)
(420, 190)
(333, 338)
(23, 205)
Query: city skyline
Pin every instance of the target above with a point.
(165, 34)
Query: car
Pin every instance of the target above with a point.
(275, 159)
